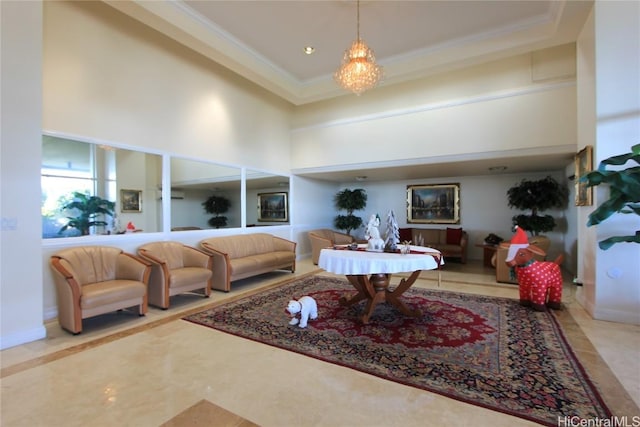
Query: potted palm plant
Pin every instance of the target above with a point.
(624, 192)
(88, 210)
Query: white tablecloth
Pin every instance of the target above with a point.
(348, 262)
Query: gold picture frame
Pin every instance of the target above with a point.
(130, 201)
(273, 207)
(583, 165)
(433, 204)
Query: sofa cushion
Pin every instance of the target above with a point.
(188, 276)
(240, 246)
(109, 292)
(454, 235)
(170, 253)
(91, 264)
(242, 266)
(427, 236)
(324, 233)
(448, 249)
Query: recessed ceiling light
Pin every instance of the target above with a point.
(361, 178)
(309, 50)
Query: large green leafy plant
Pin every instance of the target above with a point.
(624, 192)
(350, 201)
(88, 210)
(537, 196)
(217, 205)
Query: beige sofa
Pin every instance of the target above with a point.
(246, 255)
(451, 242)
(326, 238)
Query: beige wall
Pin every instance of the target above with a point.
(111, 78)
(21, 290)
(483, 110)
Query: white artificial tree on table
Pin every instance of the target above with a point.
(392, 234)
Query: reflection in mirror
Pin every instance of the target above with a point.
(194, 183)
(267, 199)
(109, 173)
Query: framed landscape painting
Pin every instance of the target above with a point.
(584, 164)
(273, 207)
(131, 201)
(433, 204)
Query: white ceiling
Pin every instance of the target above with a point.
(263, 41)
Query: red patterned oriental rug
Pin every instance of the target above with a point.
(485, 351)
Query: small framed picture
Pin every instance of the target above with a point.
(433, 204)
(273, 207)
(584, 164)
(130, 201)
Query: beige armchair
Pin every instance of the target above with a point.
(93, 280)
(503, 272)
(326, 238)
(176, 269)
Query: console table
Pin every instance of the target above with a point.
(370, 273)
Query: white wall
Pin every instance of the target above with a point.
(522, 121)
(586, 116)
(617, 26)
(481, 111)
(21, 291)
(313, 208)
(483, 207)
(609, 118)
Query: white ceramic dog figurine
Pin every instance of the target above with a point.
(307, 308)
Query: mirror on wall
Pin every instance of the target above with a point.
(194, 183)
(120, 190)
(267, 199)
(104, 189)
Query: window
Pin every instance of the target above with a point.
(72, 166)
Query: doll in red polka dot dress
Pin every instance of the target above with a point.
(540, 282)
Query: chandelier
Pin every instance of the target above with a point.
(359, 71)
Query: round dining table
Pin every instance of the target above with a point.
(370, 273)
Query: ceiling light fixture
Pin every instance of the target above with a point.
(359, 71)
(309, 50)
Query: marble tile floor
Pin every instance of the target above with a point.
(128, 370)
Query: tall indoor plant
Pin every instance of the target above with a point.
(350, 201)
(537, 196)
(88, 210)
(624, 192)
(217, 205)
